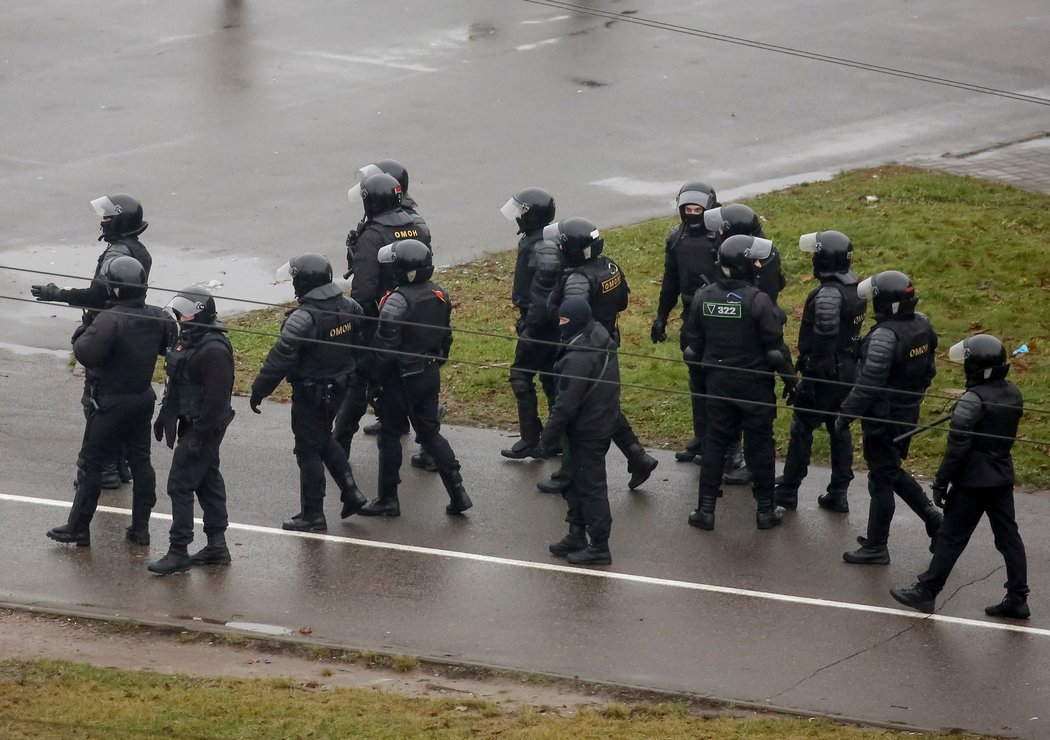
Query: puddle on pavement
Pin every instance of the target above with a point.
(264, 629)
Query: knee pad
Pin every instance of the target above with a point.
(522, 387)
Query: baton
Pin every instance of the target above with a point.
(921, 428)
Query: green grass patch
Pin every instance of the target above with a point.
(974, 249)
(53, 699)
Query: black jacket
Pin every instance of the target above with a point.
(199, 367)
(121, 346)
(95, 295)
(829, 336)
(689, 264)
(973, 461)
(371, 280)
(585, 408)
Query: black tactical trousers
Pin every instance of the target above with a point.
(697, 387)
(531, 359)
(121, 421)
(815, 404)
(351, 411)
(885, 474)
(196, 471)
(740, 404)
(962, 513)
(404, 401)
(315, 447)
(588, 492)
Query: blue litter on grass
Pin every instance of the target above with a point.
(1022, 350)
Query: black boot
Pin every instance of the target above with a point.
(574, 541)
(735, 472)
(350, 495)
(458, 499)
(530, 427)
(214, 553)
(834, 501)
(692, 449)
(521, 449)
(767, 516)
(640, 464)
(309, 519)
(596, 553)
(558, 483)
(137, 535)
(381, 507)
(423, 461)
(868, 554)
(372, 429)
(1011, 607)
(785, 494)
(918, 597)
(76, 530)
(110, 477)
(69, 536)
(704, 514)
(177, 560)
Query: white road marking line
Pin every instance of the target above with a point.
(555, 568)
(538, 44)
(368, 60)
(546, 20)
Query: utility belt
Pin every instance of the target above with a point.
(98, 388)
(319, 391)
(413, 366)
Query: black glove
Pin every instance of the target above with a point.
(158, 428)
(658, 332)
(940, 495)
(842, 424)
(49, 292)
(519, 327)
(254, 402)
(351, 238)
(790, 388)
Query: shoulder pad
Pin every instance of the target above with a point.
(299, 323)
(394, 305)
(967, 411)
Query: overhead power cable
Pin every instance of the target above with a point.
(786, 50)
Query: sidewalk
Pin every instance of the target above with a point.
(1024, 163)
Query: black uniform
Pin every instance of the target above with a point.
(536, 274)
(317, 352)
(196, 408)
(410, 384)
(601, 282)
(119, 350)
(896, 367)
(981, 473)
(586, 413)
(828, 340)
(733, 327)
(371, 282)
(95, 295)
(690, 263)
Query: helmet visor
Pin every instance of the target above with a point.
(183, 308)
(386, 254)
(957, 352)
(552, 233)
(104, 206)
(512, 210)
(694, 198)
(866, 289)
(284, 273)
(354, 194)
(808, 242)
(713, 219)
(760, 249)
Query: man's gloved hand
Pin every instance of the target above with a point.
(790, 388)
(49, 292)
(81, 328)
(158, 428)
(254, 401)
(940, 495)
(842, 424)
(658, 332)
(351, 238)
(519, 327)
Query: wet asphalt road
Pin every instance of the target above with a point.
(239, 125)
(771, 618)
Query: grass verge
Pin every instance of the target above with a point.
(974, 249)
(57, 699)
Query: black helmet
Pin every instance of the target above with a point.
(737, 256)
(733, 219)
(577, 238)
(983, 357)
(309, 271)
(397, 171)
(380, 193)
(832, 251)
(891, 294)
(695, 193)
(193, 304)
(124, 277)
(121, 216)
(412, 260)
(531, 209)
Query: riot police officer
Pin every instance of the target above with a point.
(411, 343)
(978, 466)
(121, 224)
(536, 271)
(735, 332)
(690, 263)
(828, 340)
(596, 278)
(119, 349)
(736, 219)
(398, 171)
(896, 367)
(585, 413)
(320, 345)
(385, 222)
(196, 410)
